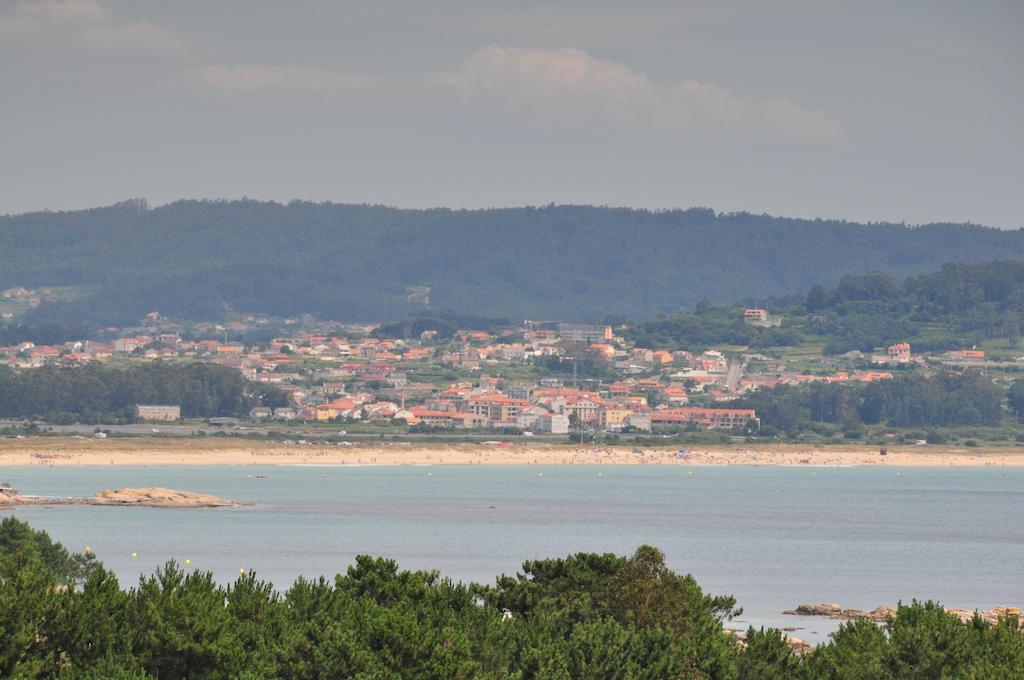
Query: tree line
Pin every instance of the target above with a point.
(943, 399)
(43, 334)
(584, 616)
(96, 393)
(958, 306)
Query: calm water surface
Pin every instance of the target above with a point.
(773, 537)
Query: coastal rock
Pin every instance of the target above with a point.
(799, 646)
(147, 497)
(838, 612)
(796, 644)
(988, 615)
(882, 613)
(8, 495)
(159, 497)
(829, 610)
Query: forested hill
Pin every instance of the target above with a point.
(200, 258)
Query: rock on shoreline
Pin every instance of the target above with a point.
(145, 497)
(159, 497)
(796, 644)
(880, 614)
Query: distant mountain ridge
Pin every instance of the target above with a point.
(199, 259)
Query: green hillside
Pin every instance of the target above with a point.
(200, 259)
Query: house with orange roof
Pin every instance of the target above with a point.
(751, 384)
(965, 355)
(619, 389)
(899, 352)
(76, 358)
(495, 406)
(872, 376)
(338, 408)
(433, 418)
(381, 410)
(417, 354)
(128, 345)
(705, 417)
(341, 404)
(674, 394)
(662, 357)
(334, 388)
(583, 409)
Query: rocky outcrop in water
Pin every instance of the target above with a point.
(146, 497)
(880, 614)
(796, 644)
(159, 497)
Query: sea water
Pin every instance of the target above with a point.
(773, 537)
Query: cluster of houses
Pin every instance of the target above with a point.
(468, 380)
(552, 408)
(167, 346)
(899, 354)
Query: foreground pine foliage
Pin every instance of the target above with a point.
(584, 616)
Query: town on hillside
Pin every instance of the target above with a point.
(537, 377)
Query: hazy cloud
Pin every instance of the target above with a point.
(685, 106)
(514, 71)
(62, 9)
(555, 85)
(86, 23)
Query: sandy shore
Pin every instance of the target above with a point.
(225, 451)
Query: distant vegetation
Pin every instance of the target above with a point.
(585, 616)
(444, 323)
(199, 259)
(96, 393)
(955, 307)
(945, 399)
(44, 334)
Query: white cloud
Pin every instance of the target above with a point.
(547, 72)
(86, 23)
(597, 85)
(718, 102)
(793, 120)
(562, 87)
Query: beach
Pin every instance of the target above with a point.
(63, 451)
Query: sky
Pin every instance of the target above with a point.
(909, 111)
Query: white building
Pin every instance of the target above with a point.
(553, 423)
